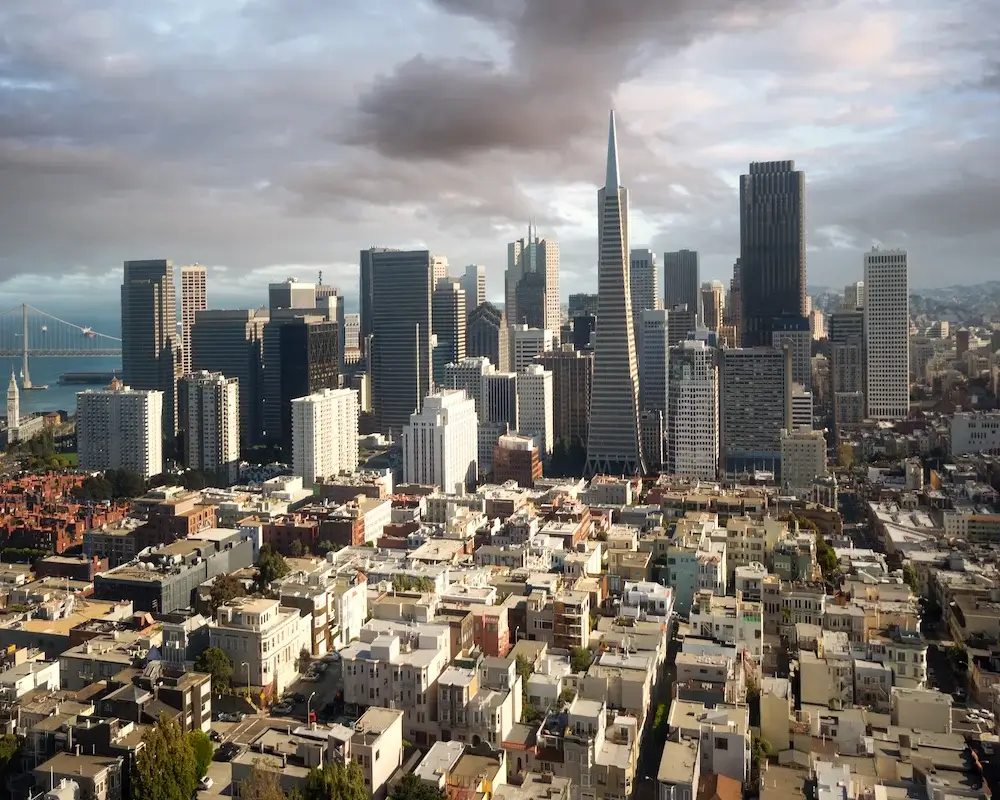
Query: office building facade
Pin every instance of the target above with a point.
(644, 284)
(468, 375)
(211, 422)
(291, 294)
(194, 298)
(693, 411)
(795, 333)
(572, 376)
(772, 248)
(531, 283)
(488, 337)
(440, 444)
(448, 322)
(526, 344)
(680, 279)
(887, 334)
(535, 407)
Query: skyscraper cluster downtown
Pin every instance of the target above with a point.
(645, 376)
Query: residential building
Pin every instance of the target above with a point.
(377, 747)
(974, 432)
(887, 334)
(803, 458)
(396, 311)
(680, 279)
(120, 428)
(440, 445)
(150, 350)
(614, 443)
(325, 434)
(772, 248)
(692, 422)
(230, 342)
(263, 639)
(535, 407)
(193, 300)
(754, 405)
(211, 424)
(515, 458)
(731, 621)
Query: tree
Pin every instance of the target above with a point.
(202, 748)
(910, 576)
(759, 751)
(263, 784)
(336, 781)
(10, 745)
(410, 787)
(166, 768)
(661, 721)
(305, 659)
(196, 479)
(326, 546)
(580, 659)
(225, 588)
(297, 549)
(217, 664)
(271, 566)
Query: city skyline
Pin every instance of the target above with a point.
(188, 195)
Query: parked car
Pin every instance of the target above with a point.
(282, 708)
(206, 783)
(227, 752)
(214, 735)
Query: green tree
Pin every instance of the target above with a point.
(216, 663)
(326, 546)
(125, 483)
(202, 748)
(165, 768)
(660, 721)
(271, 566)
(910, 576)
(196, 479)
(335, 781)
(263, 784)
(759, 751)
(225, 588)
(297, 549)
(305, 659)
(10, 746)
(580, 659)
(410, 787)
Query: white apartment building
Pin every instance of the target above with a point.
(803, 458)
(887, 334)
(724, 734)
(526, 344)
(325, 434)
(212, 424)
(534, 407)
(975, 432)
(730, 621)
(120, 428)
(692, 420)
(263, 639)
(440, 445)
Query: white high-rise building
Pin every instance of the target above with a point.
(194, 280)
(468, 375)
(887, 334)
(120, 428)
(440, 445)
(614, 442)
(693, 417)
(526, 344)
(325, 434)
(439, 265)
(803, 458)
(854, 296)
(473, 282)
(531, 283)
(212, 424)
(535, 407)
(352, 334)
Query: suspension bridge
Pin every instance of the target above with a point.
(26, 331)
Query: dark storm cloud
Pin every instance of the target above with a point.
(566, 58)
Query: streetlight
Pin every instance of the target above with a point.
(247, 665)
(308, 706)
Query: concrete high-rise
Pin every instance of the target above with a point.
(325, 434)
(680, 279)
(399, 321)
(531, 283)
(854, 296)
(230, 341)
(693, 411)
(712, 305)
(211, 423)
(468, 375)
(772, 248)
(151, 358)
(847, 368)
(755, 403)
(654, 357)
(487, 336)
(535, 407)
(681, 323)
(614, 443)
(500, 410)
(194, 283)
(448, 322)
(473, 281)
(795, 333)
(887, 334)
(439, 266)
(644, 284)
(440, 444)
(291, 293)
(572, 376)
(734, 304)
(120, 428)
(803, 458)
(526, 344)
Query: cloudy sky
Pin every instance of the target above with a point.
(268, 138)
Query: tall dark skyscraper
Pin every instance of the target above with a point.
(772, 248)
(396, 313)
(614, 442)
(151, 357)
(680, 279)
(488, 336)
